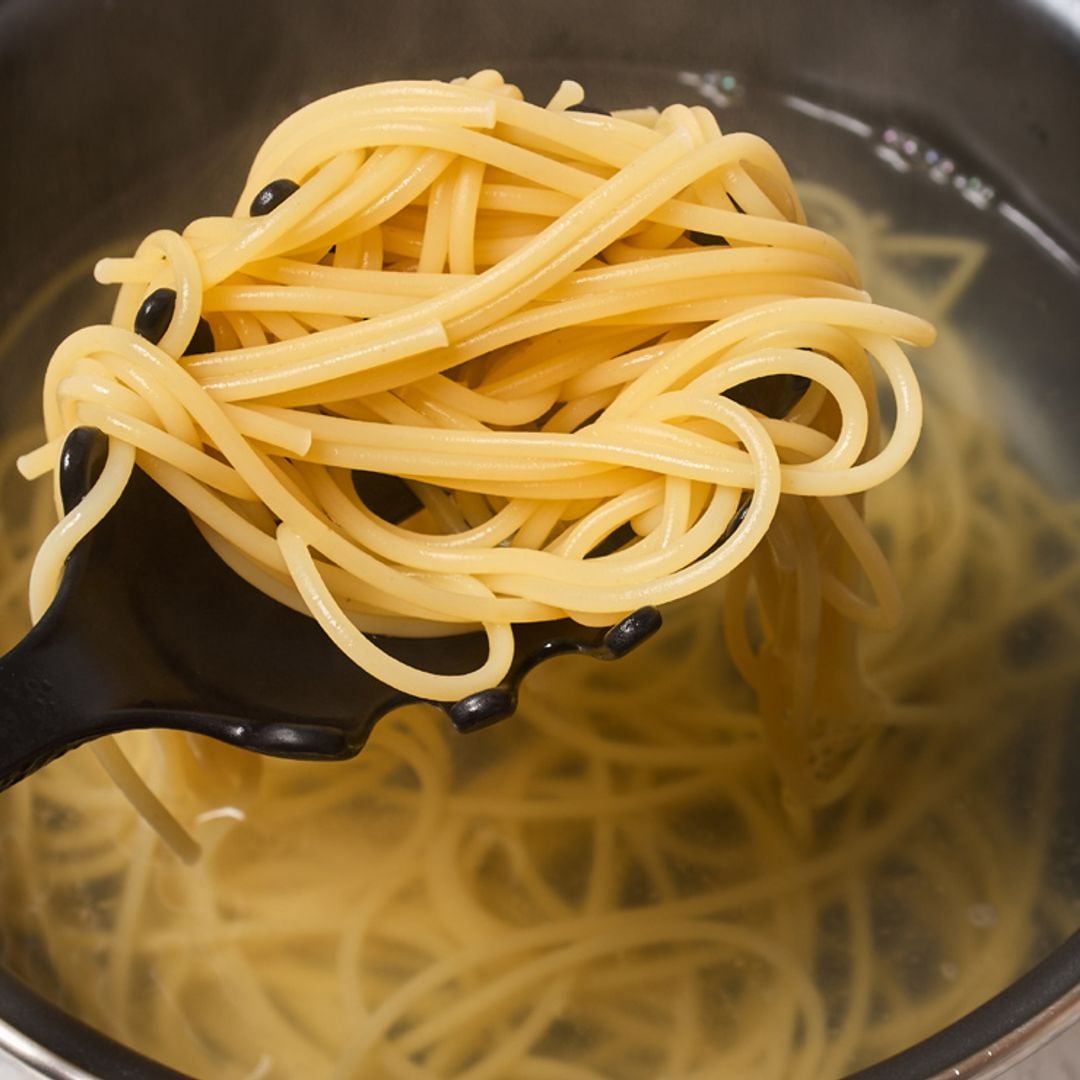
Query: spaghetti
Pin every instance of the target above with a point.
(606, 354)
(613, 885)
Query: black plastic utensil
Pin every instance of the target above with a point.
(151, 629)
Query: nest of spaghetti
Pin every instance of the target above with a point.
(604, 357)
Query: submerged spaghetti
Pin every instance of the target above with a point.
(611, 886)
(607, 355)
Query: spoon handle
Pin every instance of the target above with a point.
(41, 715)
(150, 629)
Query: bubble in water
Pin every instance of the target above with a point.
(907, 152)
(982, 916)
(720, 88)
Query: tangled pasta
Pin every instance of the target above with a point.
(604, 354)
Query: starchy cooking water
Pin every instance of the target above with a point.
(613, 883)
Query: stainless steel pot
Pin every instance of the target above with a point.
(104, 104)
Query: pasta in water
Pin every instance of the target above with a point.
(614, 884)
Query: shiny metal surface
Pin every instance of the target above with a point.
(22, 1057)
(1047, 1047)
